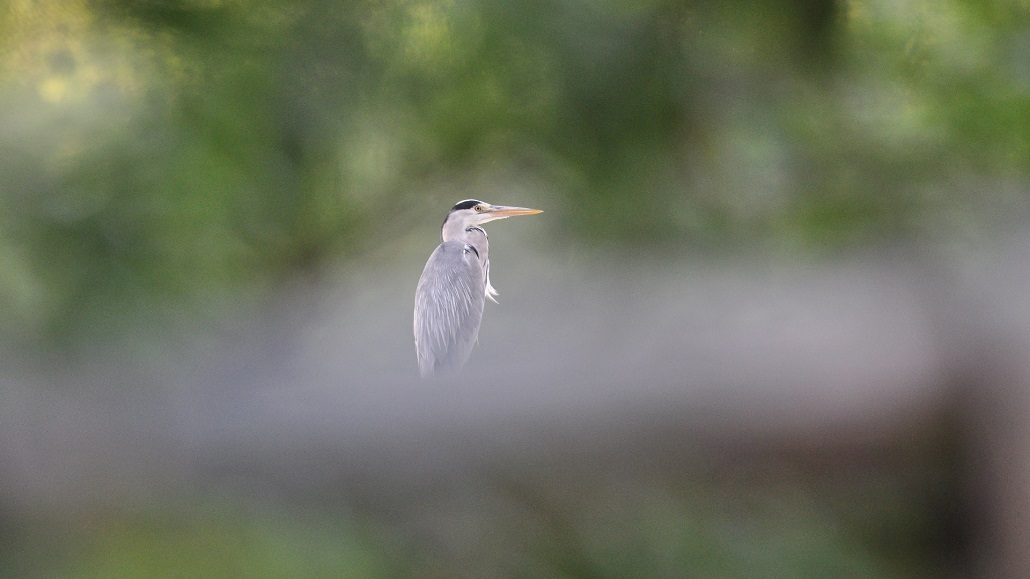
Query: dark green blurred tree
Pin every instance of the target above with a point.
(174, 149)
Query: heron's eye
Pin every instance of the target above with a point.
(480, 208)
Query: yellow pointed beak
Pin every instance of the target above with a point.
(502, 211)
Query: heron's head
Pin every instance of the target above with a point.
(474, 212)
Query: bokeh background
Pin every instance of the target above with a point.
(773, 322)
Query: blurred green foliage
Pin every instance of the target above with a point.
(172, 148)
(207, 539)
(157, 154)
(724, 512)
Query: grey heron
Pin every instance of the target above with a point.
(454, 287)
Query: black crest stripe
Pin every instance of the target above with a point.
(466, 204)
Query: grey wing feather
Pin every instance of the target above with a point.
(448, 308)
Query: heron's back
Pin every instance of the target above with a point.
(448, 308)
